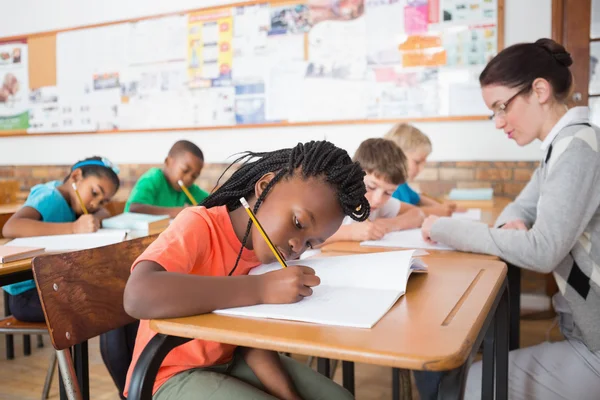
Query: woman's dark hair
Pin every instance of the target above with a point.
(312, 159)
(519, 65)
(97, 166)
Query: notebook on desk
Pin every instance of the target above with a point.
(355, 291)
(139, 222)
(15, 253)
(80, 241)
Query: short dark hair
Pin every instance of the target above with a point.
(97, 166)
(519, 65)
(382, 158)
(185, 146)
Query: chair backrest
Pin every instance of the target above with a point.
(82, 292)
(8, 191)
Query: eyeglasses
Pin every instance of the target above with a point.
(501, 109)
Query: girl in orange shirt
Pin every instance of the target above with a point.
(201, 263)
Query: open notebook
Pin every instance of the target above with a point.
(355, 291)
(80, 241)
(408, 239)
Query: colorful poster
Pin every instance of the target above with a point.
(14, 86)
(416, 17)
(250, 107)
(291, 19)
(44, 112)
(210, 50)
(335, 10)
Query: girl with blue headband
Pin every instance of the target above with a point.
(53, 208)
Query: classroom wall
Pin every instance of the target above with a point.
(453, 141)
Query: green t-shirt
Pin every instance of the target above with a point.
(153, 189)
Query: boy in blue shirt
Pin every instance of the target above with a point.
(416, 147)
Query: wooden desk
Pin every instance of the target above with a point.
(6, 211)
(437, 326)
(10, 208)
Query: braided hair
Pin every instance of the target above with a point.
(312, 159)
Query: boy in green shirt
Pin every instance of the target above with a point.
(158, 192)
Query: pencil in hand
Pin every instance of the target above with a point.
(74, 186)
(187, 193)
(263, 233)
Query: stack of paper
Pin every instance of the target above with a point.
(473, 214)
(408, 239)
(139, 222)
(471, 194)
(355, 290)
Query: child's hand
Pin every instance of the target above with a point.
(86, 224)
(515, 224)
(288, 285)
(367, 230)
(426, 227)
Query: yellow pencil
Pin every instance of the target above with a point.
(85, 211)
(187, 192)
(263, 233)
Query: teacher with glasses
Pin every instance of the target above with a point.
(553, 226)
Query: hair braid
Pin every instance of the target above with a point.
(319, 159)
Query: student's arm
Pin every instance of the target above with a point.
(408, 217)
(431, 207)
(571, 198)
(269, 370)
(102, 213)
(27, 222)
(356, 232)
(153, 292)
(155, 210)
(144, 194)
(162, 285)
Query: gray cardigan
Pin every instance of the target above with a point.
(561, 205)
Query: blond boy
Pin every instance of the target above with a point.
(417, 147)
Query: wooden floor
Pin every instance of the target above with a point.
(23, 377)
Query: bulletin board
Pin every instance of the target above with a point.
(254, 64)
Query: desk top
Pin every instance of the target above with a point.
(432, 327)
(24, 265)
(10, 208)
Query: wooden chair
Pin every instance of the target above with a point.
(82, 297)
(11, 326)
(8, 191)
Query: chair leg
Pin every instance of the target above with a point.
(40, 341)
(10, 344)
(49, 376)
(27, 345)
(67, 373)
(310, 361)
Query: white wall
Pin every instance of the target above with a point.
(453, 141)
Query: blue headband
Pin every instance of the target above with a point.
(102, 163)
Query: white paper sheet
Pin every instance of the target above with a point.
(355, 290)
(408, 239)
(82, 241)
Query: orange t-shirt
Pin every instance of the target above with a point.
(200, 242)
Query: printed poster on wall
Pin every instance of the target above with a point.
(210, 51)
(14, 86)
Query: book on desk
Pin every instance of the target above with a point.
(355, 290)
